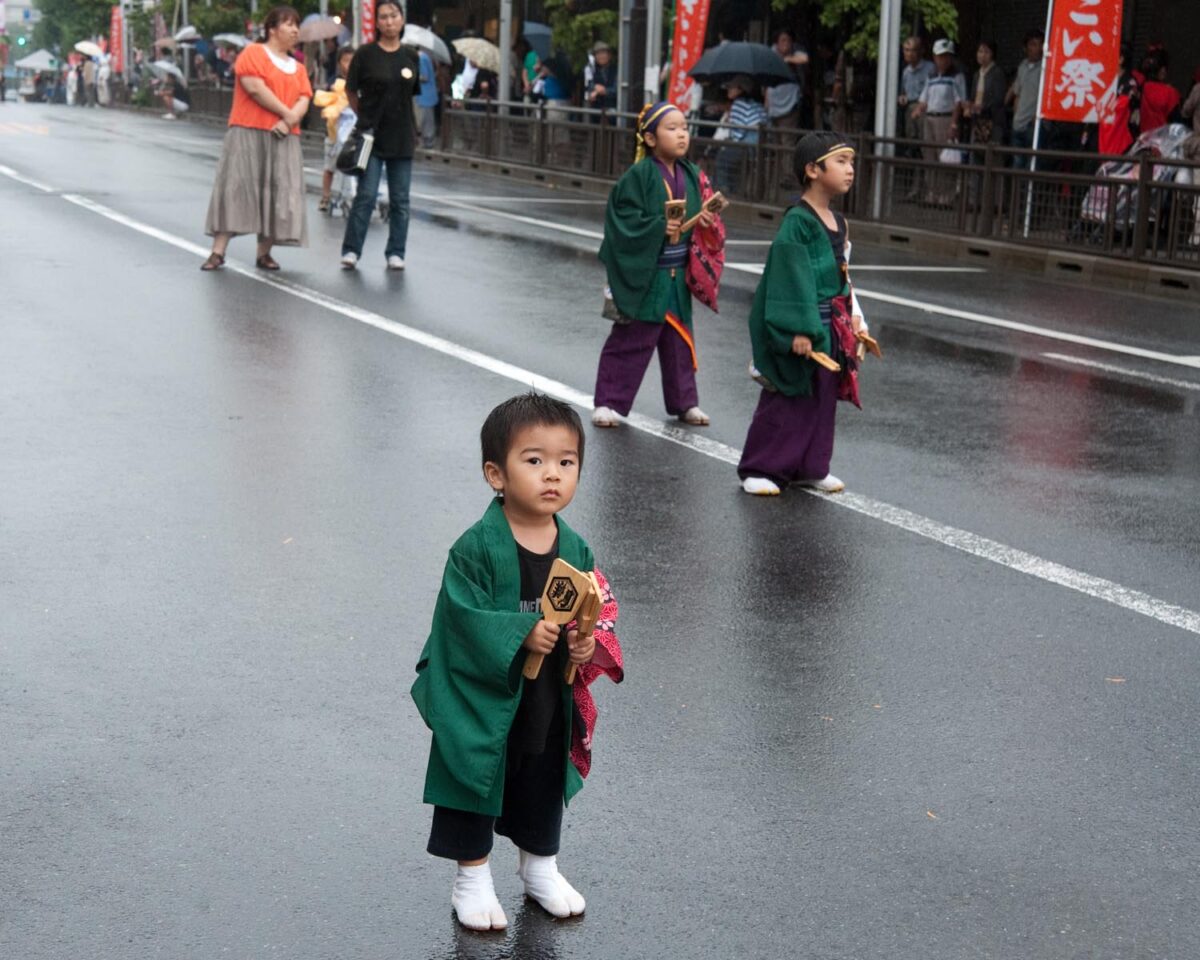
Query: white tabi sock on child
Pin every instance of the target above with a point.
(474, 899)
(548, 887)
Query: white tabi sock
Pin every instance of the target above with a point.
(474, 899)
(548, 887)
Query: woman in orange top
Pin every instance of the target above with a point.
(259, 187)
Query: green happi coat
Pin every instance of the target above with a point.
(469, 679)
(635, 227)
(800, 274)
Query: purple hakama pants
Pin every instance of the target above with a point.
(791, 438)
(623, 363)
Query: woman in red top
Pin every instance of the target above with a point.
(1159, 99)
(259, 186)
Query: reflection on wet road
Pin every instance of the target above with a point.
(228, 499)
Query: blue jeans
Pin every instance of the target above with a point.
(399, 179)
(1022, 138)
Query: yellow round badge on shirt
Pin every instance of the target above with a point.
(406, 73)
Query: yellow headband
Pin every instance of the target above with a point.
(840, 148)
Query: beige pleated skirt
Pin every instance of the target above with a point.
(259, 188)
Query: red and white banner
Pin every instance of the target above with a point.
(1082, 59)
(691, 25)
(367, 12)
(116, 35)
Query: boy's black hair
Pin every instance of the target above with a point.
(342, 51)
(527, 410)
(1033, 34)
(810, 148)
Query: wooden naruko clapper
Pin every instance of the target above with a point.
(568, 595)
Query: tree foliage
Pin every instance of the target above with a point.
(577, 24)
(860, 18)
(65, 22)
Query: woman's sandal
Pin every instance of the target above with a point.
(694, 416)
(214, 262)
(266, 262)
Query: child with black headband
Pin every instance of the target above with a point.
(647, 260)
(804, 305)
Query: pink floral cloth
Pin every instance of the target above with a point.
(706, 260)
(608, 662)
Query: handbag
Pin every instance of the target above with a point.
(951, 155)
(353, 157)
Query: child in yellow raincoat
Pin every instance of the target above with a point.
(333, 102)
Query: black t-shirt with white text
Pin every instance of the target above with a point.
(539, 714)
(386, 83)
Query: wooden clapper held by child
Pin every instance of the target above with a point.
(569, 594)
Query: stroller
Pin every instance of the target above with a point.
(1117, 200)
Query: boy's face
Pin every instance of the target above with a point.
(837, 177)
(344, 64)
(540, 473)
(670, 138)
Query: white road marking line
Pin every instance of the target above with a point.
(921, 305)
(1125, 371)
(1075, 338)
(469, 198)
(28, 181)
(962, 540)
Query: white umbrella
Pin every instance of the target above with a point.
(166, 66)
(480, 52)
(427, 40)
(316, 28)
(231, 39)
(39, 60)
(88, 49)
(187, 33)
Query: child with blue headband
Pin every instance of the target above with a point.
(647, 256)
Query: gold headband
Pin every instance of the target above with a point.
(840, 148)
(664, 109)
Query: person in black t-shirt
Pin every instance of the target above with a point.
(380, 85)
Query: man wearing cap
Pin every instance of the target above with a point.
(601, 90)
(746, 115)
(940, 106)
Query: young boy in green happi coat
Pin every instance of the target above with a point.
(508, 753)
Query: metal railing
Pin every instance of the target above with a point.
(1045, 198)
(1152, 215)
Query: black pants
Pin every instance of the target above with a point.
(531, 816)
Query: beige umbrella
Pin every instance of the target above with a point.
(89, 49)
(484, 55)
(315, 28)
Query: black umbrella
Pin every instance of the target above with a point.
(762, 64)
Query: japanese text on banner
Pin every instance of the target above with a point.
(1082, 59)
(691, 25)
(117, 41)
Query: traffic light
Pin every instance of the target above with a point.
(20, 41)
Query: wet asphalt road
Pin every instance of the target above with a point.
(225, 510)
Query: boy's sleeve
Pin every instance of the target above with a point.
(791, 293)
(471, 656)
(633, 236)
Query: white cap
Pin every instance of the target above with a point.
(943, 46)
